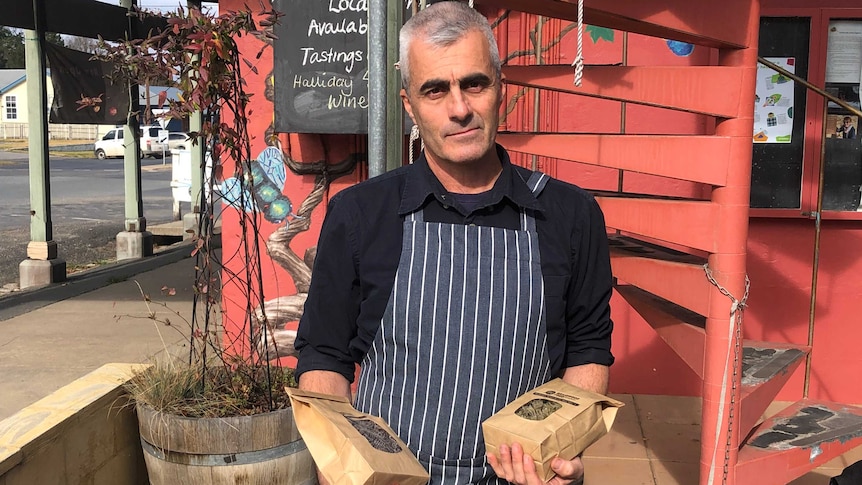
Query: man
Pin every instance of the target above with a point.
(459, 282)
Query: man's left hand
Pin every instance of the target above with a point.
(519, 468)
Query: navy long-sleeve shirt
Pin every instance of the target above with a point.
(360, 246)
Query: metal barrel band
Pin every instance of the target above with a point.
(215, 459)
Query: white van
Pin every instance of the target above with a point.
(152, 141)
(112, 144)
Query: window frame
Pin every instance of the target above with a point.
(813, 152)
(13, 108)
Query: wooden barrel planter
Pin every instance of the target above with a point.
(263, 448)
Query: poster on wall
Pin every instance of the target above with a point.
(844, 52)
(773, 102)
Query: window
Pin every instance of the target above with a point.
(11, 108)
(842, 151)
(776, 171)
(807, 154)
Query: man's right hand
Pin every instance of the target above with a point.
(324, 382)
(515, 466)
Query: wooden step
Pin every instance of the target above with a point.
(681, 20)
(688, 223)
(651, 268)
(798, 439)
(682, 330)
(665, 156)
(766, 367)
(674, 87)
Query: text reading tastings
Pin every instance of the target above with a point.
(311, 56)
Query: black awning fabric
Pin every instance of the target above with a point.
(83, 94)
(85, 18)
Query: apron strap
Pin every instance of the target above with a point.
(536, 183)
(416, 216)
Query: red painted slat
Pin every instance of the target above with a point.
(666, 156)
(680, 88)
(685, 339)
(689, 289)
(687, 223)
(683, 20)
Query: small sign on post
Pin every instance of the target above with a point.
(163, 139)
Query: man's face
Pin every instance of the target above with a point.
(454, 98)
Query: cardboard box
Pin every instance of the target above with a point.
(554, 419)
(350, 447)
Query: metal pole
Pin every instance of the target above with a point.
(376, 87)
(722, 369)
(394, 112)
(815, 267)
(537, 94)
(802, 81)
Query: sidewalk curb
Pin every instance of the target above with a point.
(25, 301)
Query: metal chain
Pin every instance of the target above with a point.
(579, 57)
(736, 311)
(737, 304)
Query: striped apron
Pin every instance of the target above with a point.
(463, 334)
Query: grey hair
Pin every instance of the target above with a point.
(441, 25)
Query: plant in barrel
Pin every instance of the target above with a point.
(230, 384)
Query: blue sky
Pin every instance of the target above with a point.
(159, 4)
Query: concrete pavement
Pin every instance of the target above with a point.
(53, 335)
(12, 156)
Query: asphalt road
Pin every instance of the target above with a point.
(87, 208)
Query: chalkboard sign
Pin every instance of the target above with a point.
(321, 66)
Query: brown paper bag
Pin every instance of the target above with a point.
(350, 447)
(554, 419)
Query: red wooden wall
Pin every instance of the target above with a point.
(780, 249)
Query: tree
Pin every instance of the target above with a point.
(83, 44)
(55, 38)
(12, 47)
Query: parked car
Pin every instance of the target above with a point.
(177, 141)
(113, 145)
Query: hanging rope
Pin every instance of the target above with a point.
(414, 135)
(579, 57)
(734, 334)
